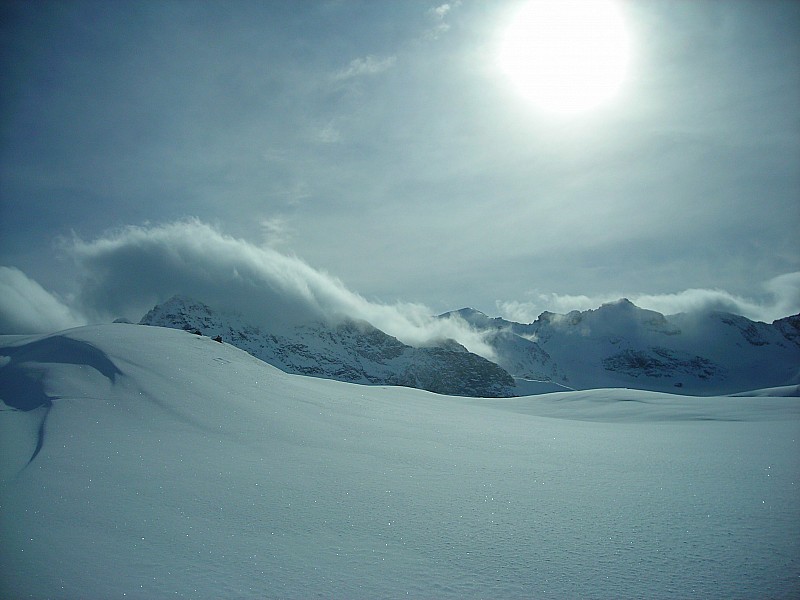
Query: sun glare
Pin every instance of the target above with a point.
(566, 56)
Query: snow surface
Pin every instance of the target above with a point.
(172, 466)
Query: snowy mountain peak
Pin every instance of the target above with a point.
(180, 311)
(469, 312)
(622, 303)
(350, 350)
(622, 345)
(624, 308)
(477, 319)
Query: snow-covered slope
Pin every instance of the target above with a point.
(144, 462)
(347, 351)
(622, 345)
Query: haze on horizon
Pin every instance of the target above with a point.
(378, 159)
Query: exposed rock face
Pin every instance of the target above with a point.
(660, 362)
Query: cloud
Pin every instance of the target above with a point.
(127, 272)
(776, 298)
(439, 13)
(781, 298)
(275, 231)
(329, 134)
(369, 65)
(26, 307)
(527, 312)
(785, 292)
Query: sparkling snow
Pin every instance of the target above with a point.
(190, 469)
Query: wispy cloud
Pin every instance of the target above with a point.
(439, 15)
(329, 134)
(441, 11)
(26, 307)
(276, 231)
(781, 298)
(772, 299)
(291, 194)
(366, 66)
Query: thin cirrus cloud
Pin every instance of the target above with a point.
(368, 65)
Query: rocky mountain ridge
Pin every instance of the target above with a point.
(615, 345)
(349, 350)
(622, 345)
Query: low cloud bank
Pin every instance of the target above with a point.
(782, 299)
(127, 272)
(26, 307)
(779, 297)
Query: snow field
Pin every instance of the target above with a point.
(201, 472)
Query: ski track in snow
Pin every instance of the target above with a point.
(174, 466)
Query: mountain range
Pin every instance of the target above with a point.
(615, 345)
(348, 350)
(622, 345)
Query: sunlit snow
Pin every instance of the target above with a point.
(169, 465)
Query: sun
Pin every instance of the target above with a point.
(566, 56)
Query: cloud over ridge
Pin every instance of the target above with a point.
(128, 271)
(780, 297)
(125, 272)
(26, 307)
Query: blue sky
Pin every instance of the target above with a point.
(379, 145)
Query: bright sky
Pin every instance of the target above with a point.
(392, 149)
